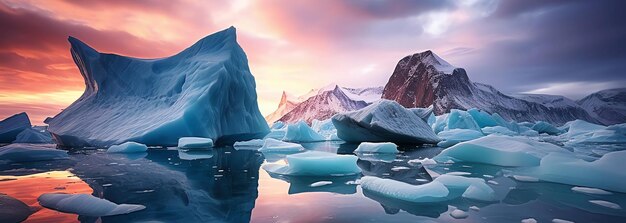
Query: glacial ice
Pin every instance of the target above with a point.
(579, 127)
(454, 136)
(423, 113)
(544, 127)
(602, 173)
(458, 214)
(10, 127)
(474, 188)
(195, 154)
(325, 128)
(440, 123)
(250, 143)
(128, 147)
(590, 190)
(31, 135)
(383, 121)
(273, 145)
(499, 150)
(374, 147)
(607, 204)
(301, 132)
(85, 205)
(195, 143)
(424, 162)
(458, 119)
(611, 134)
(316, 163)
(482, 118)
(321, 183)
(17, 153)
(206, 90)
(498, 130)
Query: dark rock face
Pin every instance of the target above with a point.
(424, 79)
(322, 106)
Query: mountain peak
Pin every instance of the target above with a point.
(429, 57)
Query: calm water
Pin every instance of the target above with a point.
(228, 185)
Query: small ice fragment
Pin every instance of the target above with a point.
(85, 204)
(529, 220)
(373, 147)
(492, 182)
(195, 143)
(525, 178)
(556, 220)
(458, 173)
(424, 162)
(458, 214)
(274, 145)
(590, 190)
(398, 168)
(321, 183)
(128, 147)
(250, 143)
(487, 176)
(474, 208)
(606, 204)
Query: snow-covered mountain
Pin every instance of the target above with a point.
(608, 106)
(285, 105)
(323, 103)
(425, 79)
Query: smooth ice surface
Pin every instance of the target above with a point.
(482, 118)
(316, 163)
(429, 192)
(383, 121)
(325, 128)
(423, 113)
(454, 136)
(206, 90)
(374, 147)
(459, 214)
(499, 150)
(195, 154)
(499, 130)
(458, 119)
(321, 183)
(544, 127)
(301, 132)
(85, 205)
(273, 145)
(603, 173)
(128, 147)
(607, 204)
(31, 135)
(250, 143)
(609, 135)
(474, 188)
(10, 127)
(578, 127)
(590, 190)
(17, 153)
(195, 143)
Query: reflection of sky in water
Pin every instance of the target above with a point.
(227, 185)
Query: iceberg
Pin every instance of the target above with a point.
(325, 128)
(603, 173)
(454, 136)
(206, 91)
(383, 121)
(482, 118)
(614, 134)
(195, 143)
(544, 127)
(458, 119)
(301, 132)
(18, 153)
(440, 123)
(316, 163)
(579, 127)
(250, 143)
(31, 135)
(500, 151)
(85, 205)
(273, 145)
(128, 147)
(499, 130)
(12, 126)
(373, 147)
(13, 210)
(423, 113)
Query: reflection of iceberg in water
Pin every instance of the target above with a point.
(408, 174)
(195, 154)
(219, 189)
(302, 184)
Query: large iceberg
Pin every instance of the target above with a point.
(499, 150)
(579, 127)
(206, 90)
(482, 118)
(85, 205)
(12, 126)
(301, 132)
(458, 119)
(316, 163)
(32, 135)
(18, 153)
(384, 121)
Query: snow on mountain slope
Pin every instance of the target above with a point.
(206, 90)
(12, 126)
(284, 106)
(608, 106)
(323, 106)
(424, 79)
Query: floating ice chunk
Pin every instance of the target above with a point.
(398, 168)
(474, 208)
(206, 90)
(383, 121)
(85, 205)
(556, 220)
(611, 134)
(474, 188)
(301, 132)
(529, 220)
(544, 127)
(321, 183)
(525, 178)
(458, 119)
(483, 119)
(31, 135)
(13, 210)
(458, 214)
(316, 163)
(500, 130)
(453, 136)
(10, 127)
(250, 143)
(606, 204)
(424, 162)
(273, 145)
(589, 190)
(430, 192)
(458, 173)
(499, 150)
(578, 127)
(17, 153)
(195, 143)
(374, 147)
(568, 169)
(128, 147)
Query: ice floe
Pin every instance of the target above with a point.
(195, 143)
(316, 163)
(377, 147)
(85, 205)
(128, 147)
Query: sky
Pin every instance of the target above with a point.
(570, 48)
